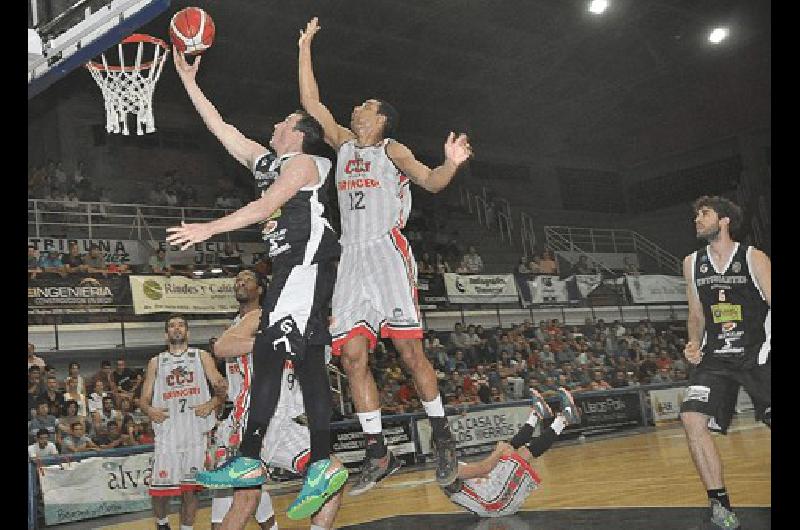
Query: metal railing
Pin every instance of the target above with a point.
(557, 240)
(485, 213)
(527, 233)
(105, 219)
(594, 240)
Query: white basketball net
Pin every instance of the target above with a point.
(129, 89)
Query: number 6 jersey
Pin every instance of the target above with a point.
(181, 385)
(737, 317)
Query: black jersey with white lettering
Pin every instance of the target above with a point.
(298, 232)
(737, 316)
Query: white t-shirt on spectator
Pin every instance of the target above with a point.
(95, 401)
(34, 451)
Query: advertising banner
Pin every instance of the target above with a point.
(480, 288)
(77, 294)
(127, 251)
(550, 289)
(650, 288)
(96, 486)
(666, 403)
(136, 252)
(348, 440)
(478, 431)
(605, 413)
(157, 294)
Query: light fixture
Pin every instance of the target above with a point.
(717, 35)
(598, 6)
(216, 270)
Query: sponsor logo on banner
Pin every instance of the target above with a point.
(548, 290)
(156, 294)
(606, 413)
(478, 431)
(96, 486)
(75, 294)
(650, 288)
(666, 403)
(480, 288)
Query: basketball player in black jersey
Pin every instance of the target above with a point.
(294, 321)
(729, 290)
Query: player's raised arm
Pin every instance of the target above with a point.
(238, 340)
(335, 134)
(297, 173)
(456, 151)
(243, 149)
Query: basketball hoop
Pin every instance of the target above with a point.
(129, 89)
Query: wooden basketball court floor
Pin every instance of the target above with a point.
(644, 480)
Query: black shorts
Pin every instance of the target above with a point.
(713, 391)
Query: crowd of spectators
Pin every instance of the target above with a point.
(473, 364)
(476, 365)
(73, 414)
(75, 262)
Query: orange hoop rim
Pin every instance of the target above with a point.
(131, 39)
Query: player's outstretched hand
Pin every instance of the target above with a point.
(188, 234)
(308, 35)
(692, 353)
(187, 72)
(157, 415)
(457, 149)
(204, 409)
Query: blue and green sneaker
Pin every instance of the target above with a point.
(236, 472)
(321, 483)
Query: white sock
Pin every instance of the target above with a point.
(264, 510)
(187, 527)
(533, 419)
(370, 421)
(558, 424)
(165, 520)
(434, 408)
(317, 527)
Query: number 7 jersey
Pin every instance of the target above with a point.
(374, 195)
(180, 386)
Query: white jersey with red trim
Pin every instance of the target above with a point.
(509, 483)
(374, 195)
(179, 387)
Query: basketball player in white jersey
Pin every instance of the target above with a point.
(286, 443)
(248, 291)
(729, 288)
(376, 287)
(499, 484)
(294, 325)
(175, 397)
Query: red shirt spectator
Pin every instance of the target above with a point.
(664, 361)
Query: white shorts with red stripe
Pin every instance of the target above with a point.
(509, 483)
(287, 445)
(376, 292)
(174, 472)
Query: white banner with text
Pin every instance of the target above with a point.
(480, 288)
(178, 294)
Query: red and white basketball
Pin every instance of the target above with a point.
(191, 30)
